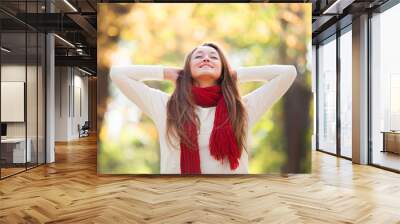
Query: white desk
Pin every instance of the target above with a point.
(19, 149)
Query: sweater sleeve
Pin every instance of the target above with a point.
(278, 79)
(129, 80)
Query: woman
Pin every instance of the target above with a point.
(203, 125)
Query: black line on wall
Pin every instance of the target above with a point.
(60, 90)
(73, 91)
(369, 89)
(317, 97)
(37, 92)
(0, 94)
(25, 89)
(45, 95)
(338, 77)
(69, 92)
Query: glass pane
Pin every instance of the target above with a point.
(31, 100)
(31, 84)
(41, 98)
(22, 87)
(327, 97)
(385, 89)
(13, 86)
(346, 94)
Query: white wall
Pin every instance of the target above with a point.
(79, 115)
(33, 126)
(62, 81)
(12, 73)
(71, 93)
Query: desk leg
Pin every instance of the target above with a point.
(384, 142)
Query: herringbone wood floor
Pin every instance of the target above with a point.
(70, 191)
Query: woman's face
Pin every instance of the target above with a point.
(205, 64)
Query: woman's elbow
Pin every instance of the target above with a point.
(292, 71)
(114, 74)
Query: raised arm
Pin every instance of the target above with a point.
(278, 77)
(129, 80)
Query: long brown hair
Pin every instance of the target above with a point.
(181, 106)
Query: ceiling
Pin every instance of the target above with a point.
(331, 15)
(76, 20)
(72, 20)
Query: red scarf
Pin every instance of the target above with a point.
(222, 143)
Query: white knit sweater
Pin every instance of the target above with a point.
(153, 102)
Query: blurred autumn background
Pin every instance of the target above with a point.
(250, 34)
